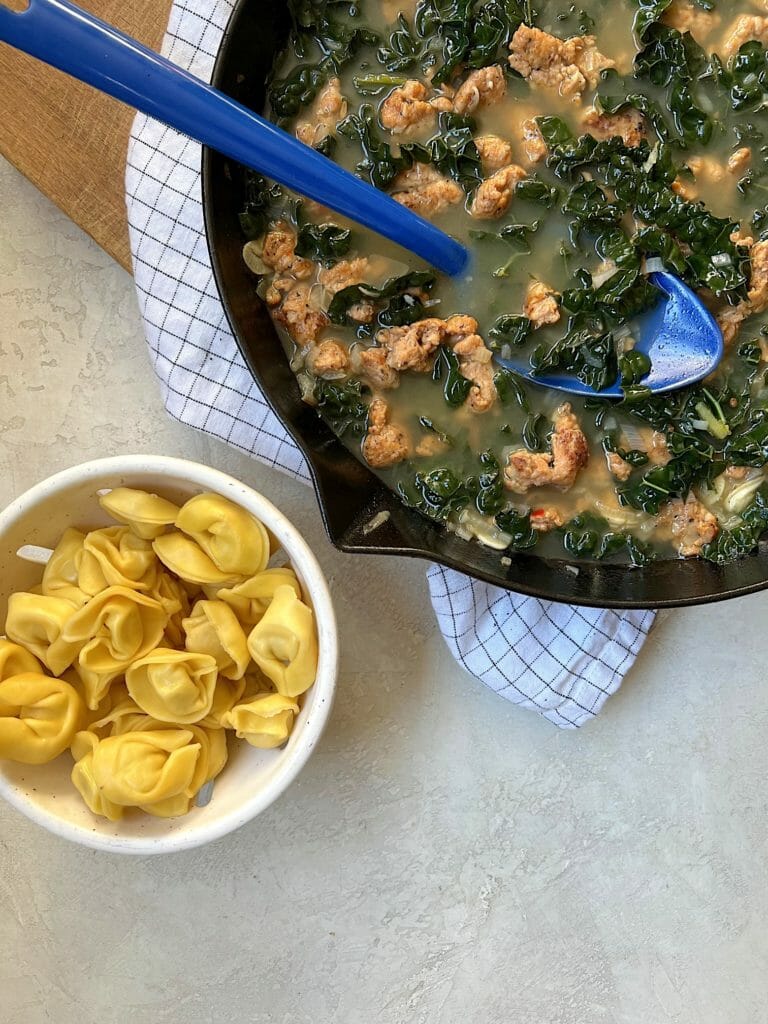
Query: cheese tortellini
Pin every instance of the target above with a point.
(250, 599)
(184, 557)
(60, 576)
(173, 686)
(115, 557)
(112, 630)
(284, 643)
(39, 715)
(213, 629)
(148, 646)
(15, 659)
(235, 542)
(265, 721)
(36, 622)
(146, 514)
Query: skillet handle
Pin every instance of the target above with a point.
(72, 40)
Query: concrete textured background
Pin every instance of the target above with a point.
(444, 857)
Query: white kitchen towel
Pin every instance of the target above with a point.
(561, 661)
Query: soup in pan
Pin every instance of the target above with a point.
(574, 150)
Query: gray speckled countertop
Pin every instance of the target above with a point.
(444, 858)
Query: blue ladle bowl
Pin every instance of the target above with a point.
(679, 335)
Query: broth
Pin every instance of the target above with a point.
(643, 178)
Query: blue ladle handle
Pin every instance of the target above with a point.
(70, 39)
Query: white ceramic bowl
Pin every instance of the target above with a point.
(252, 779)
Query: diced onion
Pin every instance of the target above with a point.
(633, 435)
(653, 156)
(601, 276)
(252, 257)
(742, 494)
(506, 351)
(572, 569)
(705, 102)
(484, 529)
(721, 259)
(307, 388)
(378, 520)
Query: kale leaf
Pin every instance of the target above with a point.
(436, 494)
(490, 494)
(258, 199)
(393, 289)
(343, 405)
(518, 526)
(456, 387)
(509, 329)
(404, 50)
(323, 243)
(516, 237)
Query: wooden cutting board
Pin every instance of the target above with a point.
(70, 140)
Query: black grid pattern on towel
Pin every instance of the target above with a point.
(560, 661)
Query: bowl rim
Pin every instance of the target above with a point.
(287, 768)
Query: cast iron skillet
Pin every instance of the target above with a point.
(348, 494)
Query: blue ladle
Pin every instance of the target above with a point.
(680, 335)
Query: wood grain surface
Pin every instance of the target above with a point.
(70, 140)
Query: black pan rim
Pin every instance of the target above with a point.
(560, 570)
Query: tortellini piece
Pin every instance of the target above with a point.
(174, 598)
(265, 721)
(14, 660)
(146, 514)
(213, 629)
(210, 763)
(227, 693)
(284, 643)
(83, 780)
(115, 557)
(184, 557)
(232, 538)
(60, 573)
(173, 686)
(114, 706)
(250, 599)
(36, 622)
(153, 766)
(115, 628)
(39, 716)
(141, 768)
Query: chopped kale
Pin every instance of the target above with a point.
(588, 535)
(490, 494)
(512, 329)
(516, 237)
(518, 526)
(456, 388)
(259, 197)
(453, 151)
(324, 243)
(393, 289)
(404, 50)
(343, 405)
(436, 494)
